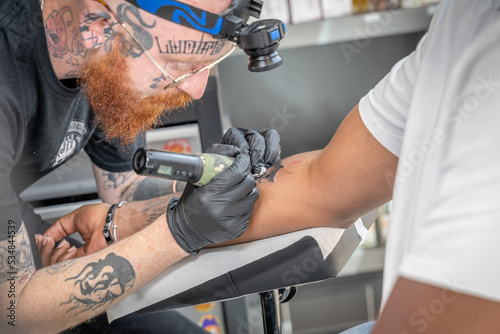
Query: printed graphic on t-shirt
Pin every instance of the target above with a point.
(76, 131)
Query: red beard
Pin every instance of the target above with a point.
(119, 111)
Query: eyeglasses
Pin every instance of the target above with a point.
(182, 78)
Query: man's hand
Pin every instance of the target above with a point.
(88, 221)
(218, 211)
(263, 147)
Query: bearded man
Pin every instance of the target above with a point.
(86, 75)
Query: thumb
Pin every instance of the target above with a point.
(62, 228)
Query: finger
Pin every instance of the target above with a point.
(224, 149)
(62, 228)
(241, 224)
(236, 137)
(257, 145)
(232, 176)
(273, 148)
(71, 253)
(244, 220)
(80, 252)
(46, 250)
(245, 197)
(243, 193)
(40, 240)
(59, 251)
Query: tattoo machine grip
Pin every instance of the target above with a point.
(198, 169)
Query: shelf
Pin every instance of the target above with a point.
(361, 27)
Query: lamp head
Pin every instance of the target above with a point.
(259, 40)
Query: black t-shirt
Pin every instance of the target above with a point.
(43, 123)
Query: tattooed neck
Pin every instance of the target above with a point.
(64, 41)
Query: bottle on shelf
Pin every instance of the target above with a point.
(411, 3)
(361, 6)
(386, 4)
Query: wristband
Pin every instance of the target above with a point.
(109, 221)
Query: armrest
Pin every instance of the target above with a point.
(218, 274)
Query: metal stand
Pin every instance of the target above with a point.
(271, 311)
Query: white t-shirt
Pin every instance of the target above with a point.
(438, 110)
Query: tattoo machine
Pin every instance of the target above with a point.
(198, 169)
(259, 40)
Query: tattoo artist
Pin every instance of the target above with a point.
(87, 74)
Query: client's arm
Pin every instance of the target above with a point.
(331, 187)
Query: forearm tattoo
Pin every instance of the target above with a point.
(115, 180)
(271, 173)
(154, 209)
(149, 188)
(16, 259)
(100, 283)
(60, 267)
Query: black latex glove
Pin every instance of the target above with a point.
(218, 211)
(263, 146)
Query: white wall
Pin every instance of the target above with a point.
(309, 95)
